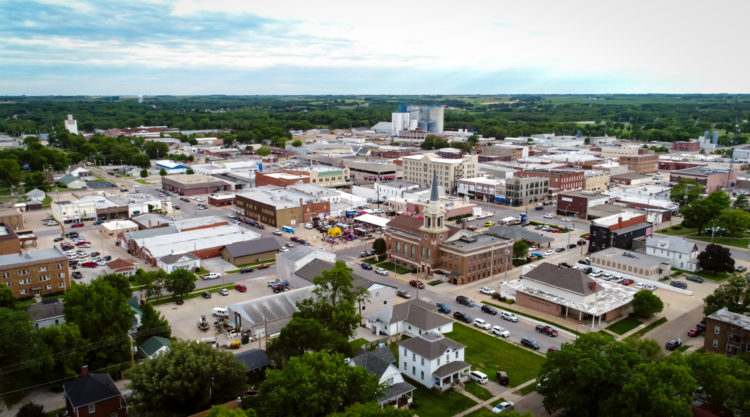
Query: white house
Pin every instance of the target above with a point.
(683, 254)
(81, 172)
(414, 317)
(288, 263)
(172, 262)
(380, 363)
(433, 360)
(36, 195)
(47, 313)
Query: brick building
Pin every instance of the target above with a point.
(686, 146)
(727, 333)
(38, 272)
(9, 241)
(577, 203)
(618, 230)
(630, 178)
(12, 217)
(559, 179)
(94, 395)
(712, 178)
(524, 191)
(280, 179)
(279, 206)
(677, 165)
(641, 164)
(194, 184)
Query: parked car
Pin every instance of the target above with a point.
(98, 222)
(462, 317)
(89, 264)
(107, 258)
(206, 294)
(673, 344)
(740, 269)
(626, 281)
(679, 284)
(486, 291)
(489, 309)
(472, 228)
(482, 324)
(502, 376)
(246, 269)
(417, 284)
(277, 232)
(77, 225)
(509, 316)
(384, 272)
(308, 226)
(464, 300)
(489, 224)
(77, 274)
(83, 242)
(224, 291)
(264, 266)
(651, 287)
(211, 275)
(59, 239)
(502, 407)
(240, 287)
(548, 216)
(701, 326)
(530, 343)
(560, 250)
(95, 254)
(500, 331)
(442, 308)
(549, 253)
(567, 265)
(403, 294)
(366, 266)
(694, 332)
(694, 278)
(549, 331)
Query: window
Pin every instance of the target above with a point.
(717, 329)
(22, 272)
(43, 268)
(422, 373)
(414, 356)
(422, 358)
(6, 274)
(61, 275)
(62, 285)
(413, 370)
(24, 292)
(716, 343)
(92, 408)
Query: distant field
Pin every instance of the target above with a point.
(627, 99)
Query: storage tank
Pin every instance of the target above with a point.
(413, 124)
(422, 124)
(432, 126)
(436, 115)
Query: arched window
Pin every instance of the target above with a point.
(439, 221)
(428, 221)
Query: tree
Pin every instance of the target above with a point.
(222, 411)
(686, 192)
(21, 354)
(316, 384)
(10, 173)
(31, 410)
(7, 300)
(302, 335)
(162, 172)
(646, 303)
(741, 202)
(64, 342)
(735, 221)
(187, 378)
(658, 389)
(296, 143)
(379, 246)
(372, 409)
(144, 173)
(180, 282)
(152, 324)
(725, 381)
(154, 282)
(36, 179)
(734, 294)
(263, 151)
(648, 349)
(190, 171)
(702, 212)
(716, 258)
(520, 249)
(156, 150)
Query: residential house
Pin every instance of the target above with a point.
(172, 262)
(414, 317)
(72, 182)
(254, 360)
(94, 395)
(434, 361)
(81, 172)
(138, 314)
(154, 345)
(249, 251)
(380, 363)
(124, 267)
(47, 313)
(684, 254)
(36, 195)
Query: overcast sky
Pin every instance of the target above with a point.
(374, 47)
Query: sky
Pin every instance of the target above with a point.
(185, 47)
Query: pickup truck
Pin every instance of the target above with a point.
(549, 331)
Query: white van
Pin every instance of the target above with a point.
(479, 377)
(220, 312)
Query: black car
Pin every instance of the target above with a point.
(572, 246)
(107, 258)
(701, 325)
(72, 262)
(462, 317)
(678, 284)
(442, 308)
(587, 270)
(673, 344)
(567, 265)
(71, 235)
(530, 343)
(464, 300)
(206, 294)
(366, 266)
(489, 309)
(59, 239)
(77, 275)
(95, 254)
(584, 262)
(246, 269)
(560, 250)
(694, 278)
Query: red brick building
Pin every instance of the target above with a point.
(559, 179)
(281, 178)
(641, 164)
(94, 395)
(686, 146)
(677, 165)
(194, 184)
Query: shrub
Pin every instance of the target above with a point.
(509, 301)
(496, 295)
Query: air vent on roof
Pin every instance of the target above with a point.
(467, 239)
(629, 255)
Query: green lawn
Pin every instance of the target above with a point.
(713, 276)
(652, 326)
(738, 242)
(435, 282)
(144, 182)
(527, 389)
(478, 391)
(490, 354)
(482, 412)
(683, 348)
(671, 231)
(356, 344)
(390, 266)
(625, 325)
(431, 403)
(534, 317)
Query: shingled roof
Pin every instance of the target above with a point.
(90, 389)
(376, 362)
(569, 279)
(430, 346)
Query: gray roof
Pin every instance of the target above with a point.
(630, 258)
(152, 219)
(637, 226)
(671, 243)
(434, 195)
(518, 233)
(273, 307)
(36, 193)
(420, 314)
(450, 369)
(251, 247)
(140, 234)
(316, 267)
(376, 362)
(603, 210)
(466, 240)
(90, 389)
(395, 391)
(297, 253)
(253, 359)
(48, 308)
(175, 257)
(569, 279)
(735, 319)
(32, 257)
(430, 346)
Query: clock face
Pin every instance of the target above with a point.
(426, 236)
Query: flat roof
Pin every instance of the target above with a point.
(615, 218)
(193, 240)
(736, 319)
(372, 219)
(284, 175)
(194, 179)
(589, 195)
(34, 256)
(466, 240)
(701, 171)
(630, 257)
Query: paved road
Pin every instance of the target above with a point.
(678, 328)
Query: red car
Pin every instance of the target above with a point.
(415, 283)
(627, 281)
(695, 332)
(471, 228)
(264, 266)
(66, 246)
(240, 287)
(83, 243)
(549, 331)
(294, 239)
(77, 225)
(555, 230)
(89, 264)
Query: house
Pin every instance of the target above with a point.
(124, 267)
(72, 182)
(254, 360)
(290, 262)
(94, 395)
(249, 251)
(684, 254)
(80, 172)
(380, 363)
(271, 312)
(153, 346)
(47, 313)
(137, 318)
(414, 317)
(36, 195)
(178, 261)
(727, 333)
(434, 361)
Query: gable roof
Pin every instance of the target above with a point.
(253, 359)
(153, 344)
(418, 313)
(36, 193)
(251, 247)
(430, 346)
(121, 263)
(176, 257)
(67, 179)
(316, 267)
(570, 279)
(405, 223)
(47, 308)
(90, 389)
(671, 243)
(376, 362)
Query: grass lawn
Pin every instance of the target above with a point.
(534, 317)
(144, 182)
(478, 391)
(652, 326)
(738, 242)
(671, 231)
(527, 389)
(356, 344)
(713, 276)
(482, 412)
(390, 266)
(46, 202)
(431, 403)
(490, 354)
(625, 325)
(683, 348)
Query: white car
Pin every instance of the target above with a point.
(503, 406)
(549, 216)
(639, 285)
(284, 250)
(486, 291)
(381, 271)
(500, 331)
(549, 253)
(211, 275)
(651, 287)
(482, 324)
(224, 291)
(509, 316)
(308, 226)
(277, 232)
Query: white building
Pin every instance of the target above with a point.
(71, 125)
(419, 169)
(380, 363)
(433, 360)
(414, 317)
(683, 254)
(170, 263)
(288, 263)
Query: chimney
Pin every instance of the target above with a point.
(84, 370)
(619, 222)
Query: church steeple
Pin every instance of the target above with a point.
(434, 191)
(434, 213)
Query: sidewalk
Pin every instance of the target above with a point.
(507, 395)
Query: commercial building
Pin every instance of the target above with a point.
(327, 176)
(171, 167)
(39, 272)
(366, 172)
(194, 184)
(115, 227)
(9, 241)
(391, 190)
(617, 151)
(221, 200)
(741, 153)
(482, 188)
(434, 361)
(641, 164)
(596, 180)
(12, 218)
(712, 179)
(124, 267)
(630, 178)
(577, 203)
(280, 206)
(280, 179)
(727, 333)
(203, 243)
(250, 251)
(570, 294)
(287, 264)
(521, 192)
(559, 180)
(618, 231)
(420, 169)
(632, 263)
(682, 253)
(107, 207)
(71, 125)
(686, 146)
(514, 152)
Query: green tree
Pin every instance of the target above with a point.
(372, 409)
(144, 173)
(741, 202)
(379, 246)
(10, 173)
(716, 258)
(302, 335)
(189, 377)
(686, 192)
(296, 143)
(648, 349)
(703, 212)
(162, 172)
(222, 411)
(156, 150)
(180, 282)
(7, 300)
(520, 249)
(154, 282)
(658, 389)
(152, 324)
(724, 381)
(263, 151)
(734, 294)
(65, 344)
(36, 179)
(316, 384)
(646, 303)
(31, 410)
(190, 171)
(21, 353)
(735, 221)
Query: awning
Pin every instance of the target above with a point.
(373, 220)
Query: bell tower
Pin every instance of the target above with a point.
(434, 213)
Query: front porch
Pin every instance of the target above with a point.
(397, 395)
(450, 373)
